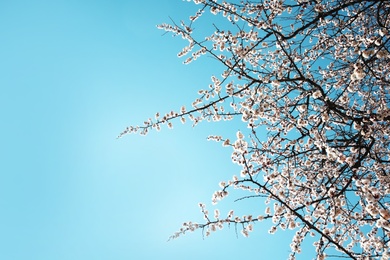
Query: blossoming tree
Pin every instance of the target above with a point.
(310, 81)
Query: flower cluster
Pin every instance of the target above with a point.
(310, 82)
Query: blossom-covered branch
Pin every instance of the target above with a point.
(310, 82)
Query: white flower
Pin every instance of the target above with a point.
(367, 53)
(359, 73)
(385, 214)
(317, 94)
(325, 117)
(302, 108)
(382, 54)
(275, 83)
(250, 227)
(216, 214)
(292, 224)
(245, 233)
(321, 256)
(239, 135)
(383, 32)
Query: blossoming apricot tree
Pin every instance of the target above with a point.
(310, 80)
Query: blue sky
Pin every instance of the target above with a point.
(73, 75)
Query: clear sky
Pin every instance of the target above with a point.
(73, 75)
